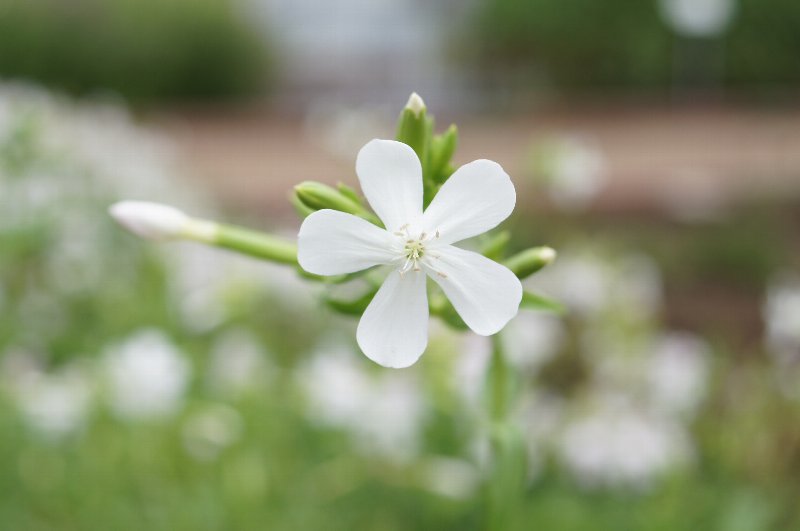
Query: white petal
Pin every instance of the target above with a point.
(484, 293)
(332, 243)
(391, 178)
(394, 329)
(475, 199)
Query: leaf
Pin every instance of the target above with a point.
(534, 301)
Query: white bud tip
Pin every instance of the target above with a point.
(152, 221)
(415, 104)
(548, 254)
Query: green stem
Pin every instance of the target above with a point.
(499, 385)
(506, 483)
(256, 244)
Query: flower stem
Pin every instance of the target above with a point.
(506, 481)
(254, 243)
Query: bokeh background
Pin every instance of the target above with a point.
(655, 144)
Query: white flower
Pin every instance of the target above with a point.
(394, 329)
(54, 404)
(623, 448)
(677, 372)
(698, 18)
(384, 412)
(147, 376)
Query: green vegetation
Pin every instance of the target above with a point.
(625, 43)
(144, 50)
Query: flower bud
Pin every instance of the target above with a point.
(442, 148)
(318, 196)
(415, 104)
(529, 261)
(414, 128)
(152, 221)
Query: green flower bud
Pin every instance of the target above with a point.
(312, 196)
(301, 208)
(414, 128)
(529, 261)
(442, 148)
(494, 246)
(318, 196)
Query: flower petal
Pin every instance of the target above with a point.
(393, 331)
(475, 199)
(333, 243)
(391, 178)
(484, 293)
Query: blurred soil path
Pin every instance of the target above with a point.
(250, 158)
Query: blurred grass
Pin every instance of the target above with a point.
(144, 50)
(602, 44)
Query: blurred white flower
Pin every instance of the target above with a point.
(782, 316)
(393, 331)
(531, 339)
(209, 431)
(638, 285)
(590, 283)
(677, 372)
(616, 447)
(453, 478)
(576, 173)
(384, 412)
(52, 403)
(698, 18)
(469, 373)
(582, 281)
(238, 362)
(147, 375)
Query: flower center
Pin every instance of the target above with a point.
(414, 254)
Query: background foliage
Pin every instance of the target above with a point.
(145, 50)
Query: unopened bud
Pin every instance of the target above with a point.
(414, 128)
(152, 221)
(529, 261)
(415, 104)
(317, 196)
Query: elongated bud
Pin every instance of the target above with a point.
(310, 196)
(529, 261)
(414, 128)
(442, 149)
(317, 196)
(155, 221)
(494, 247)
(152, 221)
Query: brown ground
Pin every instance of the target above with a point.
(251, 157)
